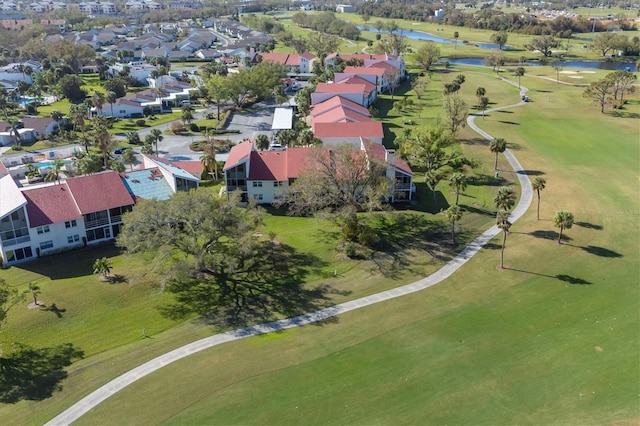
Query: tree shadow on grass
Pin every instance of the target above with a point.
(588, 225)
(117, 279)
(257, 286)
(485, 180)
(53, 308)
(403, 233)
(34, 374)
(509, 122)
(548, 235)
(561, 277)
(71, 264)
(623, 114)
(601, 251)
(477, 210)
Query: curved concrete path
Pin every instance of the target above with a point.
(96, 397)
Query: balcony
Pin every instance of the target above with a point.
(96, 223)
(13, 241)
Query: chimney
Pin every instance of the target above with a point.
(390, 156)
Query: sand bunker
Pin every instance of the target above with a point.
(575, 76)
(568, 72)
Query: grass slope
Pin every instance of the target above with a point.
(553, 340)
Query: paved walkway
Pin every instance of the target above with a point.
(96, 397)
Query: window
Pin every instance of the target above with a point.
(257, 196)
(45, 245)
(98, 234)
(73, 239)
(257, 184)
(42, 229)
(19, 254)
(70, 224)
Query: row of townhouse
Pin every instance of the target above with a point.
(98, 8)
(296, 64)
(265, 176)
(339, 115)
(49, 218)
(171, 93)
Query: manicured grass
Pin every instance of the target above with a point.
(554, 339)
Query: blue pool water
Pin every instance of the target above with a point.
(49, 164)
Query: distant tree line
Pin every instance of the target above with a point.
(488, 19)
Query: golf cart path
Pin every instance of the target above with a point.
(96, 397)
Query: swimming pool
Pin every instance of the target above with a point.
(48, 164)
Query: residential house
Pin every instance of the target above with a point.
(266, 175)
(345, 8)
(296, 64)
(353, 92)
(47, 218)
(41, 126)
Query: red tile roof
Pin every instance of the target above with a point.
(340, 88)
(335, 102)
(369, 87)
(280, 58)
(268, 165)
(98, 192)
(371, 129)
(385, 66)
(3, 169)
(378, 152)
(308, 56)
(50, 204)
(193, 167)
(297, 159)
(338, 114)
(238, 153)
(364, 70)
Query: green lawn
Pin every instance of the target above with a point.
(554, 339)
(527, 345)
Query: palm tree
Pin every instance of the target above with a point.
(78, 114)
(98, 100)
(502, 221)
(111, 98)
(104, 143)
(34, 289)
(563, 220)
(458, 182)
(480, 92)
(497, 146)
(505, 199)
(129, 157)
(187, 113)
(56, 116)
(157, 137)
(454, 214)
(432, 178)
(102, 267)
(262, 142)
(54, 173)
(539, 184)
(209, 163)
(519, 73)
(455, 36)
(133, 138)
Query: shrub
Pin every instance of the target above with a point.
(140, 123)
(177, 127)
(194, 127)
(349, 250)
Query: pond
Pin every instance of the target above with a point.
(612, 66)
(421, 35)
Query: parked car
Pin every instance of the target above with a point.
(121, 150)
